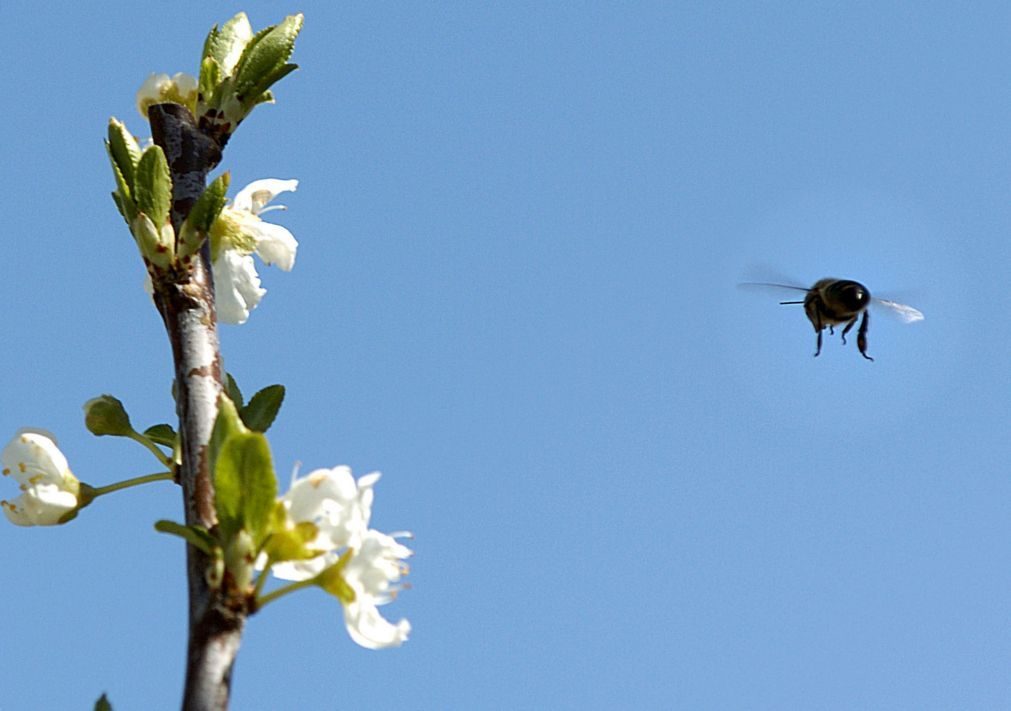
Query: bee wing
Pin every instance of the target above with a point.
(766, 286)
(907, 314)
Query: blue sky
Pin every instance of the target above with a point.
(521, 226)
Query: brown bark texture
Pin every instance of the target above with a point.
(184, 296)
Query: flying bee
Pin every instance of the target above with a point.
(834, 302)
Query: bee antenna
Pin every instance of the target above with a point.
(784, 303)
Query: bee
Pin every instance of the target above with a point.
(834, 302)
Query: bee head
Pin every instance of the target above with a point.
(851, 295)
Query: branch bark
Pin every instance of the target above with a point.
(184, 296)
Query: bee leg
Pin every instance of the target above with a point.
(847, 329)
(818, 327)
(862, 336)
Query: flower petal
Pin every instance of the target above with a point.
(370, 629)
(49, 488)
(236, 286)
(42, 505)
(370, 573)
(33, 458)
(340, 508)
(275, 245)
(255, 196)
(181, 88)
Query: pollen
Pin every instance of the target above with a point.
(7, 471)
(22, 468)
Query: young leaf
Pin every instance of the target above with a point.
(205, 211)
(226, 424)
(103, 704)
(232, 390)
(162, 434)
(245, 486)
(196, 536)
(122, 196)
(123, 149)
(259, 414)
(152, 186)
(263, 61)
(225, 46)
(210, 77)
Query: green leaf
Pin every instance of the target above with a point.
(122, 197)
(123, 150)
(203, 214)
(259, 414)
(226, 424)
(105, 415)
(210, 77)
(245, 486)
(103, 704)
(232, 390)
(264, 60)
(152, 186)
(222, 44)
(162, 434)
(196, 536)
(265, 98)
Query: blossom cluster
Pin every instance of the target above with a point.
(371, 563)
(239, 231)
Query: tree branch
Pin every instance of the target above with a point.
(184, 295)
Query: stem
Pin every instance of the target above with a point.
(185, 298)
(141, 439)
(291, 587)
(262, 578)
(127, 483)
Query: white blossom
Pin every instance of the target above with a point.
(49, 489)
(237, 234)
(180, 88)
(371, 573)
(341, 507)
(338, 505)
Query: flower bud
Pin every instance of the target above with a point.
(105, 415)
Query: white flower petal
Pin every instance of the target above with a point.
(370, 572)
(239, 231)
(370, 629)
(255, 196)
(150, 91)
(185, 83)
(42, 505)
(49, 488)
(300, 569)
(33, 457)
(276, 245)
(376, 565)
(236, 286)
(340, 508)
(158, 88)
